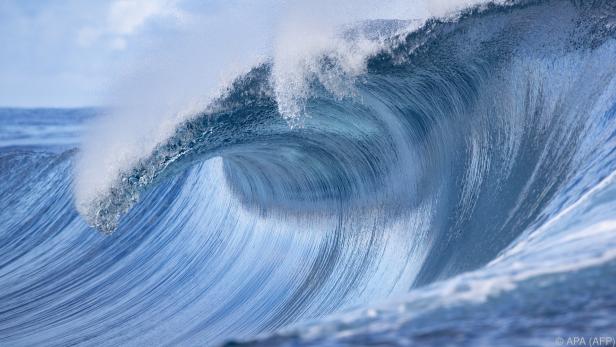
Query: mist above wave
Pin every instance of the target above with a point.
(321, 41)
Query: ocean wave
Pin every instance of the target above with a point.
(468, 160)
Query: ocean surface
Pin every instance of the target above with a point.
(459, 189)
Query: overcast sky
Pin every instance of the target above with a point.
(64, 52)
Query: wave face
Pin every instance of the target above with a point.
(465, 179)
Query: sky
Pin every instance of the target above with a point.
(73, 53)
(63, 53)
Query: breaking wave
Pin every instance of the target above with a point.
(465, 162)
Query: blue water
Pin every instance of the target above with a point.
(462, 194)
